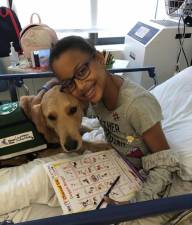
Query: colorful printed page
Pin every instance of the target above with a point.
(81, 181)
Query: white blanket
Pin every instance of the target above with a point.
(25, 185)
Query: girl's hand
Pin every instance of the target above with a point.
(111, 201)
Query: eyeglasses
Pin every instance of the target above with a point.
(81, 74)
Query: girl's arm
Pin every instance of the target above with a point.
(155, 139)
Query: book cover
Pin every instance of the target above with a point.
(81, 181)
(18, 135)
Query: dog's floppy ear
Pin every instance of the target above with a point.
(26, 104)
(37, 118)
(33, 111)
(40, 122)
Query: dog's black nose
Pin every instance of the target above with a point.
(70, 144)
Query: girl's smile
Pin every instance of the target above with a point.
(90, 93)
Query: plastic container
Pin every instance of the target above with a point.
(14, 58)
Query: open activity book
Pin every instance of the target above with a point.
(80, 182)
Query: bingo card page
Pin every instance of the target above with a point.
(81, 181)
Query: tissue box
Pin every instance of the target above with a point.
(18, 134)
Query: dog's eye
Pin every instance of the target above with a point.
(52, 117)
(72, 110)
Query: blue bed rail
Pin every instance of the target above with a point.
(116, 214)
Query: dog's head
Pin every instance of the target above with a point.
(58, 117)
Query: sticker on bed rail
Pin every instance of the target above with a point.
(8, 108)
(16, 139)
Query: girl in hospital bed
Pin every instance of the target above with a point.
(129, 114)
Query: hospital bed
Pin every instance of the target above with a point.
(26, 197)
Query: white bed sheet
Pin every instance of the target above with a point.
(25, 187)
(26, 193)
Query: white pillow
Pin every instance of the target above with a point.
(175, 98)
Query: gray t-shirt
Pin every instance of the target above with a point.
(137, 111)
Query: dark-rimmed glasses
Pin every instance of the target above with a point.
(81, 74)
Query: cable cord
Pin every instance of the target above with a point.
(156, 9)
(187, 62)
(181, 42)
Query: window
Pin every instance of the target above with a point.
(108, 17)
(58, 14)
(3, 3)
(121, 15)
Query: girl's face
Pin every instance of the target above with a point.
(83, 76)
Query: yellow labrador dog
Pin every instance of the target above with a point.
(58, 117)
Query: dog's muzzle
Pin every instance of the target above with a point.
(70, 144)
